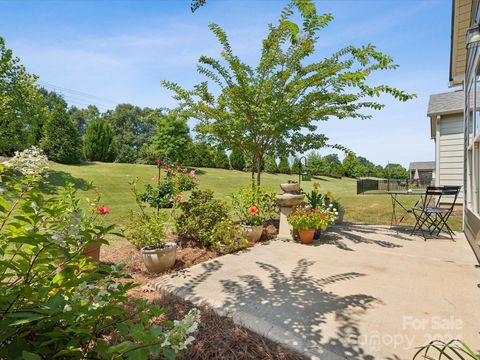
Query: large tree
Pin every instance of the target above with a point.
(133, 127)
(82, 117)
(22, 112)
(172, 138)
(274, 107)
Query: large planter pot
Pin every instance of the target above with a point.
(339, 218)
(306, 236)
(159, 259)
(252, 233)
(290, 187)
(93, 251)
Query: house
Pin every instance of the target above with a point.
(464, 71)
(445, 112)
(423, 172)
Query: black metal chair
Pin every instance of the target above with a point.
(430, 216)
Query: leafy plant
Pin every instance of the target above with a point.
(53, 303)
(315, 198)
(453, 349)
(305, 218)
(253, 205)
(200, 217)
(98, 143)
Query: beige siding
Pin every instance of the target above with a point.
(450, 171)
(462, 10)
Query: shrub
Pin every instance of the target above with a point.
(99, 144)
(53, 304)
(253, 205)
(200, 217)
(168, 189)
(31, 161)
(237, 161)
(221, 159)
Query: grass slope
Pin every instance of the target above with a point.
(111, 180)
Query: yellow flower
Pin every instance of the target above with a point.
(329, 195)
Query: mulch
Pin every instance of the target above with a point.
(218, 337)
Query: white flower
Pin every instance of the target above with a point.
(31, 161)
(67, 307)
(334, 209)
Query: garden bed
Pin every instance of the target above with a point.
(218, 337)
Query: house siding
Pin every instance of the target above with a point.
(450, 169)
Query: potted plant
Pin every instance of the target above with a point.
(92, 249)
(335, 206)
(253, 206)
(306, 220)
(148, 231)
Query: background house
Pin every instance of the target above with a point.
(423, 171)
(446, 125)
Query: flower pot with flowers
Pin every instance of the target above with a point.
(254, 205)
(93, 250)
(335, 206)
(306, 220)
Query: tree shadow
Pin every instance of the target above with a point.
(57, 180)
(299, 310)
(340, 235)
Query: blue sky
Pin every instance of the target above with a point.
(108, 52)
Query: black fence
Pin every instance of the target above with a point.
(383, 185)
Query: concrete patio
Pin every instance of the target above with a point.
(363, 292)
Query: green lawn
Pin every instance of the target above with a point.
(112, 182)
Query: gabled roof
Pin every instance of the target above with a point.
(422, 165)
(446, 103)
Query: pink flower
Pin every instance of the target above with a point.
(179, 197)
(158, 162)
(103, 210)
(193, 173)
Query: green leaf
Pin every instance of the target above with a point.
(30, 356)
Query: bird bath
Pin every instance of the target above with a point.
(289, 199)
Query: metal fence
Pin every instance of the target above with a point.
(382, 185)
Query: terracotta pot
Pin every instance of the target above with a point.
(306, 236)
(93, 251)
(252, 233)
(339, 218)
(159, 259)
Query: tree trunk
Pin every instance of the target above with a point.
(259, 168)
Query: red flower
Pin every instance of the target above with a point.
(158, 161)
(253, 210)
(103, 210)
(164, 167)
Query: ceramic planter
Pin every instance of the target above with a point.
(339, 218)
(252, 233)
(306, 236)
(93, 251)
(159, 259)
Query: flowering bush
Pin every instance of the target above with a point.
(53, 303)
(306, 218)
(254, 205)
(31, 161)
(168, 189)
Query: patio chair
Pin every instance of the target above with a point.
(430, 216)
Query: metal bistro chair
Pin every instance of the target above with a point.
(431, 215)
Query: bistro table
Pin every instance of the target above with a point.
(394, 196)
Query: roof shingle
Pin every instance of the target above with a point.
(446, 103)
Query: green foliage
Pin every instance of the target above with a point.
(271, 164)
(237, 161)
(296, 165)
(99, 144)
(172, 137)
(305, 218)
(448, 350)
(200, 216)
(395, 171)
(133, 127)
(349, 164)
(201, 154)
(53, 303)
(61, 142)
(82, 117)
(274, 107)
(146, 229)
(168, 190)
(284, 165)
(21, 107)
(221, 159)
(253, 205)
